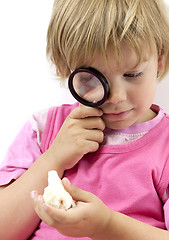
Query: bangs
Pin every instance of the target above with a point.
(81, 28)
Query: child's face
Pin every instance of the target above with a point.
(132, 89)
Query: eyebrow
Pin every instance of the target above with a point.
(140, 65)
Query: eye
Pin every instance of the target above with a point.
(85, 79)
(133, 75)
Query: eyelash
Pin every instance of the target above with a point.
(133, 75)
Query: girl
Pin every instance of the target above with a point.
(114, 152)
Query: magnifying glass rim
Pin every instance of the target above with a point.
(98, 75)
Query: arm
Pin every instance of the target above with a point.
(91, 218)
(77, 136)
(127, 228)
(18, 219)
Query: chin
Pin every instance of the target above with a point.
(118, 125)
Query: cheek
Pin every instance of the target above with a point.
(145, 91)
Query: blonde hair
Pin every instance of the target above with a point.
(80, 28)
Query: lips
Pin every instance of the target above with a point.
(117, 115)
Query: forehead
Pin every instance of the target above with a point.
(127, 59)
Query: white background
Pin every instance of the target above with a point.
(26, 81)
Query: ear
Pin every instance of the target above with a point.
(161, 61)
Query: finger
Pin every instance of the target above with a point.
(88, 123)
(38, 204)
(61, 216)
(76, 193)
(93, 123)
(84, 111)
(85, 147)
(92, 146)
(94, 135)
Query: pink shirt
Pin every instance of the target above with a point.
(129, 178)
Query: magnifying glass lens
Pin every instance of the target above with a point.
(88, 87)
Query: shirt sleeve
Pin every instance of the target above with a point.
(166, 214)
(22, 153)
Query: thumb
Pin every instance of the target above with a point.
(76, 193)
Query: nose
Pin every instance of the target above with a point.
(118, 92)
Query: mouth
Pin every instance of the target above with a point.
(117, 115)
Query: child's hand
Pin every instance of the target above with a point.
(89, 218)
(82, 132)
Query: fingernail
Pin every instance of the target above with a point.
(33, 193)
(68, 181)
(101, 112)
(40, 199)
(45, 207)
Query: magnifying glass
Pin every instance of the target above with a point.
(89, 86)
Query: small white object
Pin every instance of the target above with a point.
(55, 194)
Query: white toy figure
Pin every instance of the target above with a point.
(55, 194)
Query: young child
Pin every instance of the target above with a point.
(115, 154)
